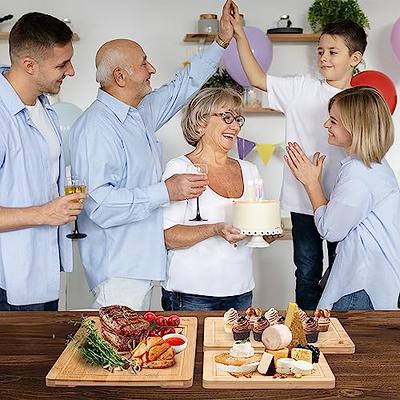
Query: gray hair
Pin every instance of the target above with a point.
(203, 105)
(111, 59)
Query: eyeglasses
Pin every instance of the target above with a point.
(228, 118)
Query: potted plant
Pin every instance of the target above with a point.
(221, 78)
(322, 12)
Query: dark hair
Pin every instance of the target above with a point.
(353, 34)
(35, 33)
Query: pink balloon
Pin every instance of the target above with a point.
(395, 39)
(261, 47)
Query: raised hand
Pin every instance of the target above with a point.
(306, 171)
(236, 21)
(225, 26)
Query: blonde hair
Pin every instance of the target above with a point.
(366, 116)
(206, 102)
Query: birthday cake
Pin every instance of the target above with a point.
(261, 217)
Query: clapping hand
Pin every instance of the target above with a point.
(306, 171)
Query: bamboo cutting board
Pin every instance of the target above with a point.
(334, 341)
(71, 370)
(321, 378)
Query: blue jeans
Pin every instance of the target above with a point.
(5, 306)
(176, 301)
(354, 301)
(308, 258)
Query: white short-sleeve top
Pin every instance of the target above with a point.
(212, 267)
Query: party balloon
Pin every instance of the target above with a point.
(67, 114)
(395, 39)
(380, 82)
(261, 47)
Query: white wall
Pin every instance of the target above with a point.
(159, 26)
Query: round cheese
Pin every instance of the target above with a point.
(276, 337)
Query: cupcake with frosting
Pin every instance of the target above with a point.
(252, 314)
(323, 318)
(229, 318)
(259, 326)
(241, 328)
(311, 330)
(303, 316)
(273, 316)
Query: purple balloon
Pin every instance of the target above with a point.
(395, 39)
(261, 47)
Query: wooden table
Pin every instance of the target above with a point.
(30, 343)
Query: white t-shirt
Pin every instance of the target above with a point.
(43, 124)
(304, 101)
(212, 267)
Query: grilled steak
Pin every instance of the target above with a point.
(122, 326)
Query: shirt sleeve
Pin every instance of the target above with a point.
(174, 213)
(99, 157)
(162, 104)
(350, 203)
(282, 90)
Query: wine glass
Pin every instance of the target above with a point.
(197, 169)
(75, 185)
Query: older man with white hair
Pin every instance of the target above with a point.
(114, 148)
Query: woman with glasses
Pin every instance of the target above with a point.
(209, 265)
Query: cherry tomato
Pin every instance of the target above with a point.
(159, 333)
(173, 320)
(167, 330)
(149, 316)
(153, 332)
(161, 321)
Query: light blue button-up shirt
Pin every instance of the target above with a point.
(363, 214)
(115, 149)
(30, 258)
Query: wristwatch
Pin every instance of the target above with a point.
(223, 44)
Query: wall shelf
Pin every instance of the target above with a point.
(261, 110)
(5, 35)
(277, 37)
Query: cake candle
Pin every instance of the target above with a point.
(250, 190)
(259, 189)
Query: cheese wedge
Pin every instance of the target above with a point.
(265, 362)
(301, 354)
(293, 322)
(282, 353)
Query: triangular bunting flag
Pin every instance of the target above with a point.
(265, 151)
(244, 147)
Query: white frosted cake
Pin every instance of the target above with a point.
(261, 217)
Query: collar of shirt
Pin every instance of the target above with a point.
(11, 99)
(119, 108)
(348, 159)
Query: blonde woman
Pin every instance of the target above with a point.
(363, 212)
(209, 265)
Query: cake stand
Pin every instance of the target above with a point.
(257, 239)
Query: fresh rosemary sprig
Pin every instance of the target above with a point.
(96, 351)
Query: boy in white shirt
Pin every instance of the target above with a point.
(304, 102)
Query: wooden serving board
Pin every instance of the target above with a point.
(321, 378)
(334, 341)
(71, 370)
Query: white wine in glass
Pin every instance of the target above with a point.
(75, 185)
(197, 169)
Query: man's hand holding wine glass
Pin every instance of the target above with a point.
(62, 210)
(186, 186)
